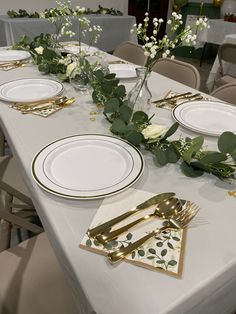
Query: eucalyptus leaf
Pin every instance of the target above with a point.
(129, 236)
(120, 92)
(110, 76)
(172, 155)
(141, 252)
(164, 252)
(171, 130)
(112, 105)
(152, 251)
(161, 156)
(227, 142)
(106, 87)
(99, 75)
(134, 137)
(213, 157)
(195, 145)
(118, 126)
(172, 263)
(176, 238)
(170, 245)
(159, 244)
(139, 117)
(125, 113)
(88, 242)
(190, 171)
(162, 261)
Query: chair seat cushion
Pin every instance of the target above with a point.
(32, 281)
(226, 79)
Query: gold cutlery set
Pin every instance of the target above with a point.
(175, 213)
(174, 100)
(54, 103)
(6, 66)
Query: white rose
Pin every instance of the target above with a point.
(39, 50)
(154, 131)
(70, 68)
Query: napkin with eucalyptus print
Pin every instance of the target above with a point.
(163, 252)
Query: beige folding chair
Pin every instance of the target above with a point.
(179, 71)
(131, 52)
(32, 281)
(226, 53)
(15, 202)
(226, 92)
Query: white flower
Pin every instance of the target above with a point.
(39, 50)
(70, 68)
(153, 131)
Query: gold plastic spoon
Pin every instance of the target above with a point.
(164, 210)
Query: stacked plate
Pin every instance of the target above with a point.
(123, 71)
(30, 90)
(11, 56)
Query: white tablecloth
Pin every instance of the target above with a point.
(208, 284)
(217, 31)
(229, 68)
(116, 29)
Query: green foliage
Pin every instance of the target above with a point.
(108, 93)
(47, 12)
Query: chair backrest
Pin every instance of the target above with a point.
(226, 92)
(179, 71)
(32, 280)
(227, 53)
(131, 52)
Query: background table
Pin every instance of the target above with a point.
(208, 283)
(116, 29)
(229, 68)
(217, 31)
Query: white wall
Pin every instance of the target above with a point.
(40, 5)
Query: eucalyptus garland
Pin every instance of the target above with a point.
(189, 153)
(194, 160)
(47, 12)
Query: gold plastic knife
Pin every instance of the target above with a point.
(108, 224)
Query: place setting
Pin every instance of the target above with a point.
(123, 70)
(12, 59)
(198, 113)
(152, 234)
(38, 96)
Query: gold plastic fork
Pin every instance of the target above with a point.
(163, 210)
(179, 221)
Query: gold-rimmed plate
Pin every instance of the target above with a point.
(210, 117)
(30, 90)
(7, 56)
(87, 166)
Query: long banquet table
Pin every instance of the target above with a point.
(116, 29)
(208, 283)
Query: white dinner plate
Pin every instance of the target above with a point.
(123, 71)
(87, 166)
(208, 117)
(31, 89)
(13, 55)
(75, 48)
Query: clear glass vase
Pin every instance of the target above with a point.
(81, 84)
(139, 98)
